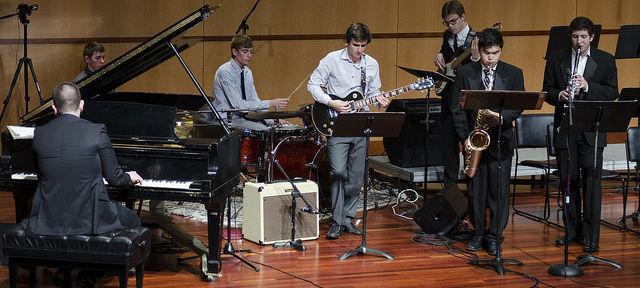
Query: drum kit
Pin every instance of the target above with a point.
(298, 149)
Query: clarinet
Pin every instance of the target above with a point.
(572, 87)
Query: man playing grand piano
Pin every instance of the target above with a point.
(74, 155)
(233, 87)
(93, 56)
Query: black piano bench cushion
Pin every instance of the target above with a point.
(125, 248)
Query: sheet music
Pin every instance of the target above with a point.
(21, 132)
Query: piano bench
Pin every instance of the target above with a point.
(119, 250)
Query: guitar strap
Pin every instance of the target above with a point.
(363, 79)
(467, 42)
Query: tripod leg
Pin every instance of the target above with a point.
(228, 246)
(35, 80)
(13, 86)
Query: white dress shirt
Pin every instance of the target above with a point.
(339, 75)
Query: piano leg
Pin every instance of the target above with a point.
(22, 200)
(215, 218)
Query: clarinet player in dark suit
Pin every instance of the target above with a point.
(595, 78)
(73, 157)
(489, 74)
(458, 37)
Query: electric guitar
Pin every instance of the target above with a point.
(322, 115)
(450, 68)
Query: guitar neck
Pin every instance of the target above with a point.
(366, 101)
(456, 62)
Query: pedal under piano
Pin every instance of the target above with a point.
(142, 130)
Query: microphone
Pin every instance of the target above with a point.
(308, 210)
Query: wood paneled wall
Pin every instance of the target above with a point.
(297, 33)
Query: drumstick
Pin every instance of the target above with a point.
(298, 87)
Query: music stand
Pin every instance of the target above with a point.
(369, 124)
(628, 46)
(600, 116)
(497, 99)
(559, 39)
(437, 76)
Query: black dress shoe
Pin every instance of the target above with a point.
(491, 247)
(475, 244)
(594, 247)
(350, 228)
(334, 232)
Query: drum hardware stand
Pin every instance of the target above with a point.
(295, 193)
(23, 11)
(228, 246)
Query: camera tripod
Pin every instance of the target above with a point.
(25, 62)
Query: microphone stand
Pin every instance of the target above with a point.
(243, 25)
(295, 193)
(564, 269)
(426, 147)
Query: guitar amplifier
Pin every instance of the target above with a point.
(408, 149)
(267, 212)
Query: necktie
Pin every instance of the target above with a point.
(244, 93)
(486, 80)
(455, 43)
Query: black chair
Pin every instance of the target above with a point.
(632, 145)
(532, 131)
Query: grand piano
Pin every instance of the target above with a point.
(142, 128)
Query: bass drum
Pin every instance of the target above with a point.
(302, 157)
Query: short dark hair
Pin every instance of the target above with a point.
(241, 41)
(580, 23)
(92, 47)
(357, 32)
(66, 97)
(490, 37)
(452, 7)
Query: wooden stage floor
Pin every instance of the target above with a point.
(416, 264)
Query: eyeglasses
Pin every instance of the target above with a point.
(451, 22)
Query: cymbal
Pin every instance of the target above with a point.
(437, 76)
(272, 115)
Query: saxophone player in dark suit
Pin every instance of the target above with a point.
(488, 74)
(595, 78)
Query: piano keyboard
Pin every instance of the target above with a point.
(150, 183)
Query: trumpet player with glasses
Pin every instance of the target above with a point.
(484, 187)
(580, 73)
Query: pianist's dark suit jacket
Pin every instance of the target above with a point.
(73, 157)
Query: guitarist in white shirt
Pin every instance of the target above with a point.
(457, 38)
(341, 72)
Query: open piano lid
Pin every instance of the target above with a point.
(131, 64)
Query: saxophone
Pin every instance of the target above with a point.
(477, 141)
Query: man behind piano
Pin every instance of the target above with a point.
(73, 157)
(93, 56)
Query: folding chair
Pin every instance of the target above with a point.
(531, 131)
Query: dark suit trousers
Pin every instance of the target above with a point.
(484, 192)
(451, 154)
(583, 174)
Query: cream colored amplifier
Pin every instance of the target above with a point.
(267, 212)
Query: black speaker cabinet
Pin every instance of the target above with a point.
(408, 149)
(436, 216)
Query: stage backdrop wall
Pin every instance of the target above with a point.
(291, 37)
